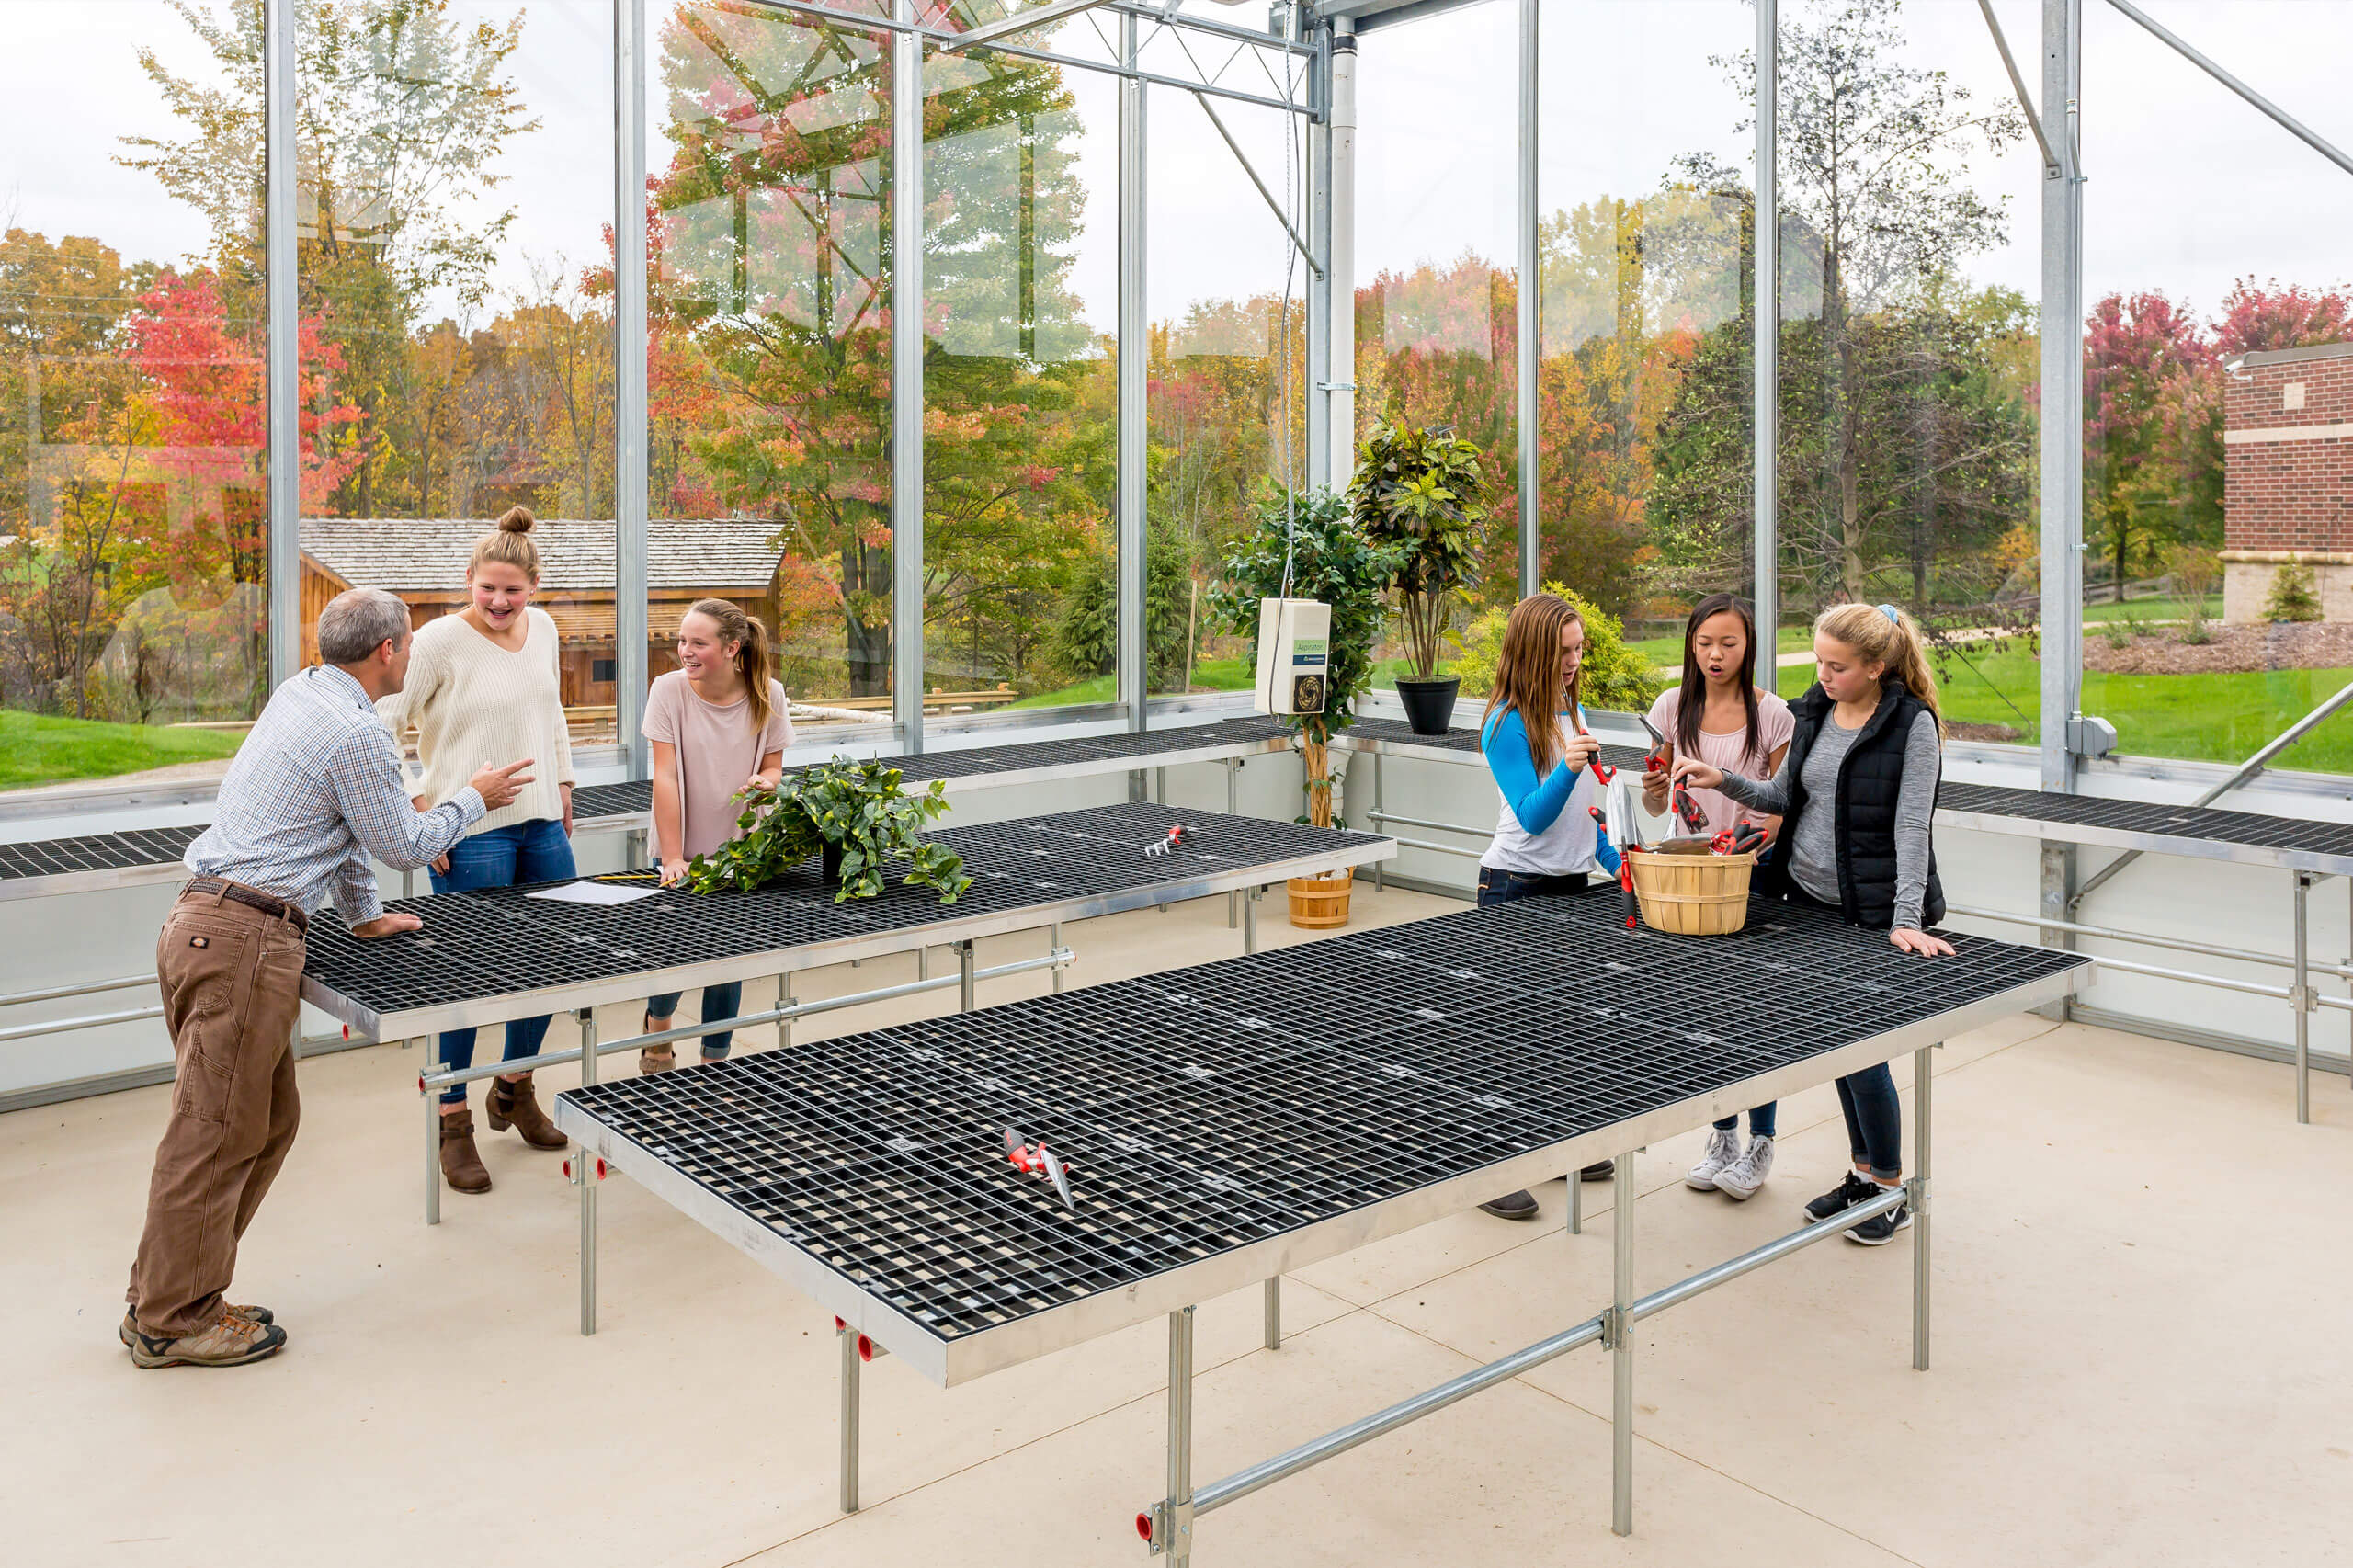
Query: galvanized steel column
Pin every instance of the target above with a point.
(906, 382)
(631, 580)
(1134, 366)
(2062, 397)
(1765, 395)
(283, 551)
(1531, 570)
(1319, 377)
(2063, 446)
(1340, 255)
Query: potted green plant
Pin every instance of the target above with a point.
(1329, 560)
(854, 816)
(1425, 492)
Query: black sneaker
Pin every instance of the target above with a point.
(1844, 1195)
(1879, 1229)
(1521, 1205)
(1600, 1170)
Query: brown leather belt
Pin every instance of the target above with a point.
(237, 892)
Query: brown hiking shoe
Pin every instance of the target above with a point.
(231, 1341)
(514, 1104)
(128, 1333)
(461, 1167)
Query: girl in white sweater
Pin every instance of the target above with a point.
(481, 683)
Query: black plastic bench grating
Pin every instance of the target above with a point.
(2151, 817)
(498, 941)
(1209, 1108)
(98, 852)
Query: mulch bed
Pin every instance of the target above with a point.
(2306, 645)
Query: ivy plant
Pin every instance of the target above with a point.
(856, 808)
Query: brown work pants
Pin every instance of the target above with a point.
(231, 979)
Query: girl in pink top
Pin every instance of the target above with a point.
(1717, 714)
(719, 728)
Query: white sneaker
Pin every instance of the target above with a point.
(1724, 1148)
(1744, 1175)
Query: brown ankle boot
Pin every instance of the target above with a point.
(514, 1104)
(461, 1167)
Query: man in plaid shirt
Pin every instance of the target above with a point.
(315, 792)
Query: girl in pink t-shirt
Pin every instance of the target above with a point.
(719, 728)
(1717, 714)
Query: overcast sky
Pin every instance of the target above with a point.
(2189, 188)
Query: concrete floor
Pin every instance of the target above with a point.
(2141, 1356)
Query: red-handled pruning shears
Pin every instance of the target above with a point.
(1171, 844)
(1742, 838)
(1686, 810)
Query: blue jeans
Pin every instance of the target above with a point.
(717, 1002)
(1502, 887)
(534, 851)
(1874, 1120)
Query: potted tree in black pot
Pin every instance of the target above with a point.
(1424, 493)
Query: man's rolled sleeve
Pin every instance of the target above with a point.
(357, 897)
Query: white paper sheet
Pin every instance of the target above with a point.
(595, 893)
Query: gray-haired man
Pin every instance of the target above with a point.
(315, 790)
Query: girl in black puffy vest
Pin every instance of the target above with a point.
(1858, 788)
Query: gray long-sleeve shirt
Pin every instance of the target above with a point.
(1812, 838)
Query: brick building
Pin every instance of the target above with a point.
(2288, 485)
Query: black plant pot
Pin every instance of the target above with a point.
(829, 863)
(1429, 704)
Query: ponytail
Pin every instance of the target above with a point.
(1885, 635)
(753, 657)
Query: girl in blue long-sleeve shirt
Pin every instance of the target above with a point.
(1546, 843)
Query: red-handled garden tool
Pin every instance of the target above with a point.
(1742, 838)
(1686, 810)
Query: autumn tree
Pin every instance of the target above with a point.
(402, 109)
(1875, 192)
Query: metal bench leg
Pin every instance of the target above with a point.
(2300, 998)
(783, 1000)
(1577, 1203)
(1622, 1352)
(964, 973)
(584, 1173)
(432, 1133)
(1179, 1507)
(1233, 900)
(1250, 920)
(1053, 941)
(1923, 1120)
(1380, 804)
(1275, 1313)
(923, 963)
(849, 1338)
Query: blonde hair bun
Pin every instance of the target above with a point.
(517, 520)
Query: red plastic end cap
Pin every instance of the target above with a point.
(1143, 1527)
(347, 1032)
(601, 1167)
(567, 1167)
(865, 1348)
(420, 1083)
(840, 1325)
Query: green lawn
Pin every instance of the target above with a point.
(1215, 675)
(36, 748)
(2204, 718)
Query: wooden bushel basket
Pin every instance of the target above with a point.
(1693, 895)
(1320, 904)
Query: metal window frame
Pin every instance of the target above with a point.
(1324, 48)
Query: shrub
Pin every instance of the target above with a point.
(1615, 676)
(2293, 595)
